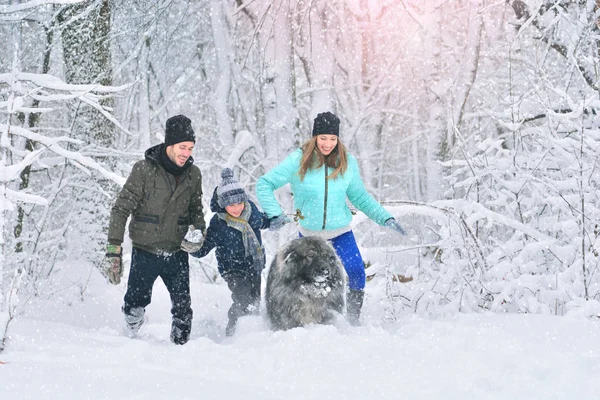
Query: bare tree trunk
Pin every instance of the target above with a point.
(321, 61)
(145, 96)
(474, 36)
(87, 59)
(32, 121)
(278, 104)
(85, 29)
(437, 145)
(367, 136)
(582, 200)
(222, 92)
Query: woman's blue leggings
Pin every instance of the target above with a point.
(347, 250)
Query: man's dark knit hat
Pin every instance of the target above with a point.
(229, 190)
(179, 129)
(326, 124)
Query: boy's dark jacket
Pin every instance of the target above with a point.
(228, 241)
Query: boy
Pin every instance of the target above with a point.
(234, 231)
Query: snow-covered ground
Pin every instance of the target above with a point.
(64, 348)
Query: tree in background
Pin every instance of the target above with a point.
(482, 114)
(525, 176)
(85, 43)
(43, 162)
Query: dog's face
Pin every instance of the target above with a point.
(313, 265)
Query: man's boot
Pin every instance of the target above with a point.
(134, 319)
(354, 302)
(180, 331)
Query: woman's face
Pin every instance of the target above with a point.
(326, 143)
(235, 210)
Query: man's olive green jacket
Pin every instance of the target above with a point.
(161, 209)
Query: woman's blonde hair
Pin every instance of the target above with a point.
(312, 158)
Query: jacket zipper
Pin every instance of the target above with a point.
(165, 175)
(172, 190)
(325, 202)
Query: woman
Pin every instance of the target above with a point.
(322, 175)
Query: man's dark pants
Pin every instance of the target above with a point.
(173, 269)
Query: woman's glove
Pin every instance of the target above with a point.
(113, 264)
(193, 240)
(278, 222)
(393, 224)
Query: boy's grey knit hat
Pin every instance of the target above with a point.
(229, 190)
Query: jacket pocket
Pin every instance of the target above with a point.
(147, 218)
(144, 228)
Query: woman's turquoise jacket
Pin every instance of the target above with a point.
(322, 202)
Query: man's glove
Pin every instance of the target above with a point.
(278, 222)
(393, 224)
(193, 240)
(113, 264)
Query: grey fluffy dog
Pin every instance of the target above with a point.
(306, 285)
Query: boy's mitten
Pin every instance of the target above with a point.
(193, 240)
(278, 222)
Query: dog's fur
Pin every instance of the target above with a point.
(306, 285)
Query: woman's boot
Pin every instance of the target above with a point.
(354, 302)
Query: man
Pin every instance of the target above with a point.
(163, 194)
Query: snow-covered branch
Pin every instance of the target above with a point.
(14, 8)
(25, 198)
(52, 82)
(53, 145)
(89, 94)
(12, 172)
(476, 211)
(243, 142)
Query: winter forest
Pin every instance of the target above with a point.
(475, 123)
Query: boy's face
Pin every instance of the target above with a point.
(235, 210)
